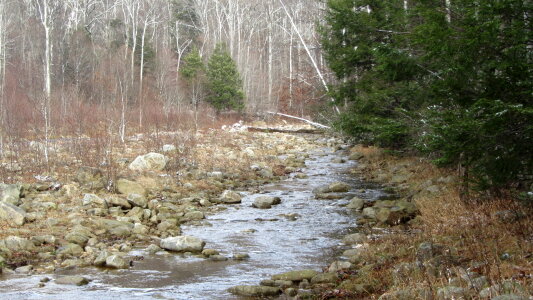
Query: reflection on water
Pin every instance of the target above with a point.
(274, 241)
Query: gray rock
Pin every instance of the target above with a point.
(339, 187)
(392, 216)
(117, 262)
(152, 249)
(428, 250)
(369, 212)
(127, 187)
(137, 200)
(339, 265)
(72, 280)
(71, 249)
(325, 278)
(10, 193)
(116, 228)
(169, 148)
(90, 178)
(230, 197)
(16, 244)
(355, 238)
(255, 291)
(506, 287)
(149, 162)
(92, 199)
(356, 203)
(355, 156)
(183, 244)
(118, 201)
(241, 256)
(210, 252)
(12, 214)
(296, 275)
(266, 202)
(452, 293)
(218, 257)
(100, 260)
(321, 190)
(24, 270)
(193, 216)
(77, 238)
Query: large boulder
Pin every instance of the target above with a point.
(182, 244)
(12, 214)
(296, 275)
(128, 187)
(266, 202)
(255, 291)
(149, 162)
(10, 193)
(230, 197)
(90, 178)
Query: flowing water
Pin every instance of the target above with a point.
(275, 242)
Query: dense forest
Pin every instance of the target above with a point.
(451, 79)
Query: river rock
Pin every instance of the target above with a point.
(90, 178)
(182, 244)
(241, 256)
(137, 200)
(339, 265)
(266, 202)
(12, 214)
(339, 187)
(71, 249)
(10, 193)
(24, 269)
(92, 199)
(355, 238)
(77, 238)
(193, 216)
(100, 260)
(392, 216)
(325, 278)
(116, 228)
(355, 156)
(210, 252)
(255, 291)
(16, 244)
(217, 257)
(127, 187)
(149, 162)
(117, 262)
(153, 248)
(230, 197)
(72, 280)
(296, 275)
(356, 203)
(369, 212)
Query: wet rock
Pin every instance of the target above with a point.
(218, 257)
(230, 197)
(137, 200)
(338, 160)
(321, 190)
(210, 252)
(329, 196)
(255, 291)
(339, 187)
(72, 280)
(152, 249)
(10, 193)
(127, 187)
(240, 256)
(265, 202)
(117, 262)
(339, 265)
(193, 216)
(452, 293)
(354, 238)
(93, 200)
(90, 178)
(301, 176)
(12, 214)
(356, 203)
(325, 278)
(24, 270)
(149, 162)
(182, 244)
(296, 275)
(118, 201)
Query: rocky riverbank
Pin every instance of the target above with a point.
(424, 243)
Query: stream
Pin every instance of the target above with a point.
(307, 239)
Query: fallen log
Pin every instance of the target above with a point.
(268, 130)
(301, 119)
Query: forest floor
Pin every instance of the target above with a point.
(424, 243)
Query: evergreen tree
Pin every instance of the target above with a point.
(224, 84)
(452, 81)
(193, 71)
